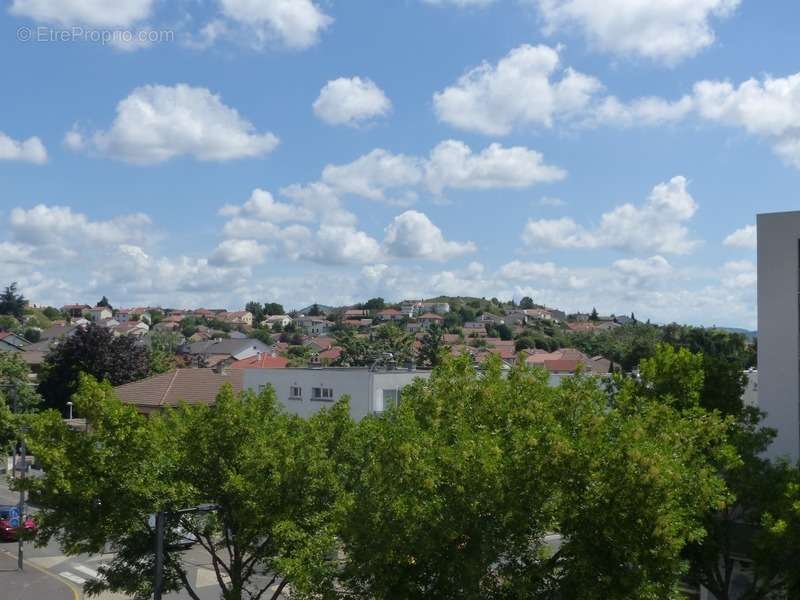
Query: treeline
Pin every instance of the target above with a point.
(477, 485)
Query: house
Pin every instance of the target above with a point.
(429, 319)
(411, 308)
(314, 326)
(100, 313)
(75, 310)
(134, 328)
(214, 352)
(624, 320)
(490, 318)
(358, 323)
(242, 317)
(11, 342)
(261, 361)
(166, 326)
(582, 327)
(474, 329)
(124, 315)
(440, 308)
(516, 318)
(391, 315)
(307, 391)
(282, 320)
(356, 313)
(193, 386)
(567, 361)
(320, 343)
(107, 323)
(413, 327)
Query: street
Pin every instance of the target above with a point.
(50, 575)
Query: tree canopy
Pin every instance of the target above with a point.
(12, 302)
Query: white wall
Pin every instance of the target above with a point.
(779, 328)
(363, 386)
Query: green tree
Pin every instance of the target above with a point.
(257, 309)
(273, 476)
(375, 304)
(51, 313)
(594, 317)
(163, 351)
(104, 302)
(12, 302)
(273, 308)
(94, 351)
(263, 336)
(356, 349)
(493, 485)
(433, 347)
(16, 386)
(32, 335)
(9, 323)
(526, 303)
(315, 311)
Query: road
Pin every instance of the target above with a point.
(50, 575)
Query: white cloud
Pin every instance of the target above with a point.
(647, 111)
(238, 253)
(768, 108)
(666, 31)
(461, 3)
(60, 230)
(656, 226)
(157, 123)
(296, 24)
(413, 235)
(551, 201)
(452, 164)
(739, 274)
(520, 90)
(263, 207)
(337, 244)
(96, 13)
(376, 174)
(351, 102)
(31, 150)
(742, 238)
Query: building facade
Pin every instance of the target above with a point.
(779, 328)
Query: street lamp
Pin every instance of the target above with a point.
(69, 407)
(161, 519)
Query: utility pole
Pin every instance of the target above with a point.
(21, 508)
(158, 584)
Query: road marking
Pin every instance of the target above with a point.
(87, 571)
(76, 595)
(72, 577)
(48, 562)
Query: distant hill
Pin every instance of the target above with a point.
(322, 307)
(751, 335)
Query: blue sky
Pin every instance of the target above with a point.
(606, 154)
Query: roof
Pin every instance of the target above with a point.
(194, 386)
(389, 312)
(224, 346)
(331, 353)
(562, 365)
(261, 361)
(431, 316)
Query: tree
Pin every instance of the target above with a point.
(104, 302)
(504, 332)
(12, 303)
(273, 308)
(263, 336)
(15, 384)
(94, 351)
(594, 317)
(375, 304)
(526, 303)
(315, 311)
(51, 313)
(163, 351)
(273, 476)
(430, 354)
(32, 335)
(257, 310)
(456, 491)
(9, 323)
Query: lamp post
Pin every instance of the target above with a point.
(21, 508)
(161, 523)
(69, 408)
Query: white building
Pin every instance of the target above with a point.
(306, 391)
(779, 328)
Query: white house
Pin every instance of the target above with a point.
(100, 313)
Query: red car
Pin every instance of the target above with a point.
(8, 533)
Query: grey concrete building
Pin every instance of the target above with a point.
(306, 391)
(779, 328)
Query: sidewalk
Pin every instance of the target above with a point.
(33, 583)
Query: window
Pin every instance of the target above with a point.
(321, 393)
(295, 392)
(390, 398)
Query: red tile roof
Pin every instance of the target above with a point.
(261, 361)
(194, 386)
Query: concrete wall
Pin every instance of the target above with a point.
(364, 387)
(779, 328)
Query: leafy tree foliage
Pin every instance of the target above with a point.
(12, 302)
(263, 336)
(272, 475)
(273, 308)
(526, 303)
(94, 351)
(315, 311)
(257, 309)
(32, 335)
(431, 352)
(375, 304)
(163, 351)
(104, 302)
(15, 384)
(494, 486)
(360, 351)
(51, 313)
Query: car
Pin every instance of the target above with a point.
(176, 537)
(9, 523)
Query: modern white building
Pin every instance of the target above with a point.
(306, 391)
(779, 328)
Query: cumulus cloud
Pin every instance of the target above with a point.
(658, 225)
(61, 231)
(413, 235)
(296, 24)
(352, 102)
(156, 123)
(452, 164)
(262, 206)
(740, 274)
(526, 88)
(647, 111)
(461, 3)
(398, 179)
(31, 150)
(96, 13)
(238, 252)
(742, 238)
(667, 31)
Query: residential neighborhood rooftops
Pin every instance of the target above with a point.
(194, 386)
(261, 361)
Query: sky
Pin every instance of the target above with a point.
(211, 152)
